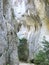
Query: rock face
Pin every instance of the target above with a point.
(34, 19)
(3, 41)
(8, 37)
(36, 26)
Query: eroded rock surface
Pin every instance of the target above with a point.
(33, 17)
(8, 37)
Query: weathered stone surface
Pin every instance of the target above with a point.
(35, 14)
(8, 38)
(12, 48)
(7, 9)
(14, 58)
(3, 41)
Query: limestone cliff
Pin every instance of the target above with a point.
(26, 19)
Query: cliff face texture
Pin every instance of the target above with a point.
(36, 26)
(23, 19)
(8, 37)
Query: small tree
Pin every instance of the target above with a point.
(42, 58)
(46, 48)
(23, 50)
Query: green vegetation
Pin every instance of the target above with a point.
(42, 58)
(23, 50)
(8, 64)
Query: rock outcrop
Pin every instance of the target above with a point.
(8, 36)
(36, 25)
(33, 17)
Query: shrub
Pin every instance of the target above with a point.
(42, 58)
(8, 64)
(23, 50)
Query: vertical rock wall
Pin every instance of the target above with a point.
(37, 12)
(8, 37)
(3, 38)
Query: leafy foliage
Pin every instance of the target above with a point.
(23, 50)
(42, 58)
(8, 64)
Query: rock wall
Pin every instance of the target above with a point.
(3, 38)
(8, 36)
(36, 16)
(34, 19)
